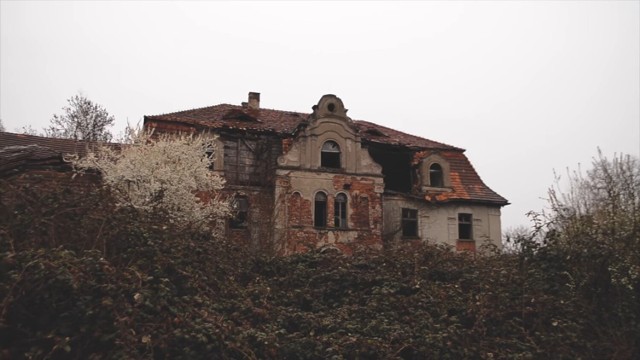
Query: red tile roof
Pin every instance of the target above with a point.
(465, 183)
(226, 116)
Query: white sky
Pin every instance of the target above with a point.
(525, 87)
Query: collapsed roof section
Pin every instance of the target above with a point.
(466, 185)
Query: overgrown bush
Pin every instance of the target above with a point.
(147, 290)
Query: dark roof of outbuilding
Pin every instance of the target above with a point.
(20, 151)
(46, 144)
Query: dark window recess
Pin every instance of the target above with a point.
(396, 167)
(465, 227)
(436, 175)
(340, 211)
(410, 222)
(240, 217)
(330, 155)
(320, 210)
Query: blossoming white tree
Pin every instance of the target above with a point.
(167, 175)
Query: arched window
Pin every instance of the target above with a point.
(330, 155)
(436, 176)
(340, 211)
(320, 210)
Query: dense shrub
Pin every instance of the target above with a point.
(82, 278)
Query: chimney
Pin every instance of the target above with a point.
(254, 100)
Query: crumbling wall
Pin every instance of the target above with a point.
(295, 197)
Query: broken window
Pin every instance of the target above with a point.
(330, 155)
(465, 227)
(409, 222)
(340, 211)
(209, 151)
(240, 207)
(320, 210)
(436, 175)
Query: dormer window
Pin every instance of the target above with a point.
(436, 176)
(330, 155)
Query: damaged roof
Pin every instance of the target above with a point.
(226, 116)
(20, 151)
(466, 184)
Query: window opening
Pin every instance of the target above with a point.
(436, 175)
(340, 211)
(240, 208)
(465, 226)
(410, 222)
(320, 213)
(209, 151)
(330, 155)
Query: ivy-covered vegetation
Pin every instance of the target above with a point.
(83, 278)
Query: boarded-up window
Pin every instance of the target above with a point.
(360, 215)
(295, 209)
(340, 211)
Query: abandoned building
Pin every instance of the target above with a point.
(306, 180)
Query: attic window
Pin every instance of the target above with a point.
(331, 107)
(330, 155)
(435, 175)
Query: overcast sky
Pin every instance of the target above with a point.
(525, 87)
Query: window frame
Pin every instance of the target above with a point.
(240, 218)
(465, 220)
(437, 174)
(331, 158)
(340, 211)
(408, 220)
(320, 210)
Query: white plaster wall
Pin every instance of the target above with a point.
(438, 223)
